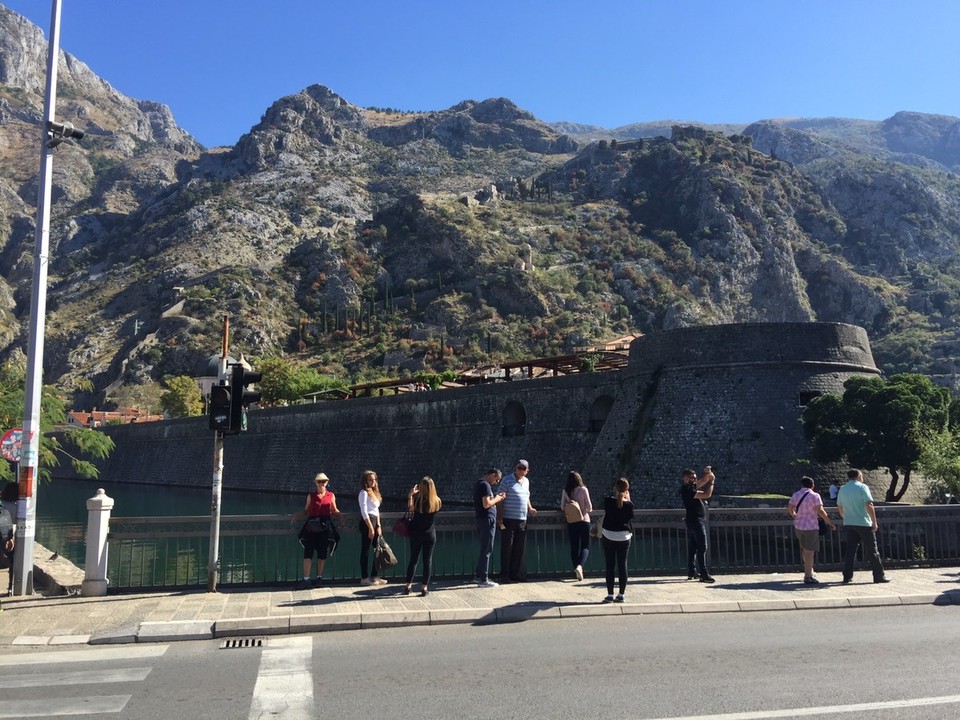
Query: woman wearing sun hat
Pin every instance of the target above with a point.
(321, 507)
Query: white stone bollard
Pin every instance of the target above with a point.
(98, 523)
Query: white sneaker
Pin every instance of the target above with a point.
(578, 571)
(366, 581)
(488, 584)
(378, 581)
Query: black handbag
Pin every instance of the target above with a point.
(383, 555)
(316, 525)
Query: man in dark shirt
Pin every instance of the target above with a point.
(484, 505)
(693, 492)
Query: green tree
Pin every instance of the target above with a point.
(288, 382)
(182, 397)
(940, 464)
(879, 423)
(53, 414)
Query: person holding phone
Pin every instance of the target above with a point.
(615, 536)
(485, 511)
(694, 493)
(424, 503)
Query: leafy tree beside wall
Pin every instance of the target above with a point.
(53, 416)
(288, 382)
(880, 423)
(182, 397)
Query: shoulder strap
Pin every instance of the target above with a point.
(803, 498)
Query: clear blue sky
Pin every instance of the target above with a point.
(219, 65)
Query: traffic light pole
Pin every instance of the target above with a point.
(30, 459)
(214, 560)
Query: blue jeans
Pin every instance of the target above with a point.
(697, 547)
(486, 531)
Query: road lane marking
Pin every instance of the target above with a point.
(78, 677)
(125, 652)
(57, 707)
(826, 709)
(284, 686)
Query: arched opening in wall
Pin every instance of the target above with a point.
(514, 419)
(805, 398)
(599, 411)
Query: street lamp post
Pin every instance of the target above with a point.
(29, 462)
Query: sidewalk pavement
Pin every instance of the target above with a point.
(198, 615)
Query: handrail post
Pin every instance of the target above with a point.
(98, 523)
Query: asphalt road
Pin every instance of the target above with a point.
(736, 666)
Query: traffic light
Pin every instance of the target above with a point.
(220, 408)
(240, 397)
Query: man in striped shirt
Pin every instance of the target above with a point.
(513, 525)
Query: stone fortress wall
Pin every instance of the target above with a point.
(729, 396)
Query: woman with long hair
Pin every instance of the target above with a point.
(369, 500)
(616, 534)
(424, 503)
(321, 507)
(575, 502)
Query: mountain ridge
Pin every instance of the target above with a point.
(366, 242)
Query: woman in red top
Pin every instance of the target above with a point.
(321, 506)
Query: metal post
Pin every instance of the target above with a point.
(29, 462)
(214, 560)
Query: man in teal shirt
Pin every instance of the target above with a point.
(855, 504)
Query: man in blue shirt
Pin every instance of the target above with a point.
(513, 528)
(860, 526)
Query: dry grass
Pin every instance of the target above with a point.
(375, 118)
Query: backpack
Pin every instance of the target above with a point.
(572, 510)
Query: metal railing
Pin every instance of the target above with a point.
(171, 552)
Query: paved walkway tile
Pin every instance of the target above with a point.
(230, 612)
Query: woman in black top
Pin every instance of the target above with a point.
(424, 503)
(617, 531)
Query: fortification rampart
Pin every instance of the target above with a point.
(730, 396)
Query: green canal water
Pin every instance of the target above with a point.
(62, 508)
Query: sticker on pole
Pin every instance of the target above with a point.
(10, 444)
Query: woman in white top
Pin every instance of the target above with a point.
(369, 500)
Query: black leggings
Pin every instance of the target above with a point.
(579, 533)
(365, 543)
(615, 553)
(426, 542)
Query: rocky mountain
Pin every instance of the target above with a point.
(367, 242)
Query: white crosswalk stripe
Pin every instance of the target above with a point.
(51, 707)
(120, 652)
(61, 707)
(80, 677)
(284, 685)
